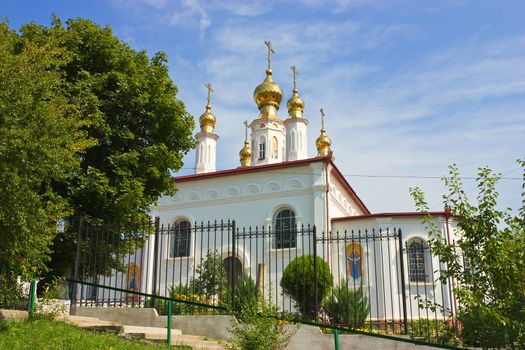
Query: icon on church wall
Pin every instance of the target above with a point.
(133, 280)
(354, 261)
(275, 147)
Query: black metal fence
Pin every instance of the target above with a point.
(369, 280)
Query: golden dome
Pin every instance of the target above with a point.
(295, 102)
(268, 92)
(245, 154)
(323, 142)
(207, 120)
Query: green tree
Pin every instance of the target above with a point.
(128, 105)
(211, 280)
(41, 142)
(487, 261)
(298, 282)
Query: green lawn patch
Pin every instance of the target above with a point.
(44, 334)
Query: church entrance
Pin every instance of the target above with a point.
(233, 267)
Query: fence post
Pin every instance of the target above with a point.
(170, 304)
(403, 283)
(336, 339)
(316, 287)
(232, 276)
(32, 295)
(155, 257)
(77, 268)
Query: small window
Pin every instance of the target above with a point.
(285, 230)
(262, 148)
(417, 260)
(180, 239)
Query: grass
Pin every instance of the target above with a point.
(47, 334)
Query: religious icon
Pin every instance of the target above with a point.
(354, 263)
(133, 277)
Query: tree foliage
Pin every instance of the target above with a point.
(211, 280)
(92, 129)
(487, 261)
(41, 140)
(298, 281)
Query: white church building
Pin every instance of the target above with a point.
(286, 204)
(278, 186)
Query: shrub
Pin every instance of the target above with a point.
(245, 294)
(185, 293)
(298, 282)
(260, 328)
(348, 306)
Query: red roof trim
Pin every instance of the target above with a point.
(248, 169)
(382, 215)
(349, 188)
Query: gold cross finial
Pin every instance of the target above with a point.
(245, 131)
(270, 51)
(210, 90)
(322, 119)
(295, 73)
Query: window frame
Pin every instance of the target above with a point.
(418, 258)
(285, 237)
(178, 250)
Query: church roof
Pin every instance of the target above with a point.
(269, 167)
(393, 214)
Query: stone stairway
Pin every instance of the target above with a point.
(154, 334)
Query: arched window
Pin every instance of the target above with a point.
(262, 148)
(275, 148)
(180, 239)
(354, 261)
(285, 229)
(417, 264)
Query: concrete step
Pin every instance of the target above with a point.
(149, 330)
(194, 341)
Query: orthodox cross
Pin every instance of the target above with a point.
(322, 119)
(270, 51)
(295, 73)
(245, 131)
(210, 90)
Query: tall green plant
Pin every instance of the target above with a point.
(211, 277)
(298, 282)
(347, 305)
(487, 262)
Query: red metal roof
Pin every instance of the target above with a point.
(382, 215)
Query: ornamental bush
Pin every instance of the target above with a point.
(298, 282)
(348, 306)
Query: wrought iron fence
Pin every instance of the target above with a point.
(369, 280)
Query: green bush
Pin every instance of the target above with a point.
(245, 294)
(260, 329)
(298, 282)
(348, 306)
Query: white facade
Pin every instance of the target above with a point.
(268, 137)
(296, 138)
(206, 151)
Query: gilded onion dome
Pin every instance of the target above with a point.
(323, 142)
(268, 92)
(295, 103)
(207, 120)
(245, 154)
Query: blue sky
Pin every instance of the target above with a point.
(408, 87)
